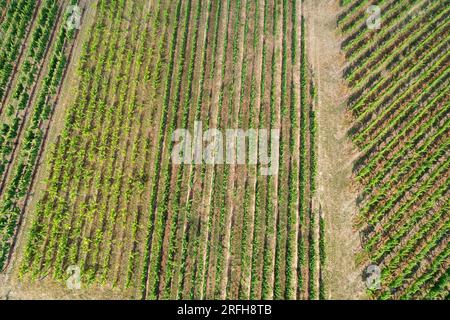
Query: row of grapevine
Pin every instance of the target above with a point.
(19, 182)
(116, 206)
(26, 83)
(399, 83)
(14, 30)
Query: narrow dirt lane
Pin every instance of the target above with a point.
(336, 152)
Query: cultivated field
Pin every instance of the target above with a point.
(93, 94)
(34, 51)
(398, 77)
(113, 203)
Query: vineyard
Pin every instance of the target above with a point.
(398, 76)
(94, 93)
(30, 79)
(113, 203)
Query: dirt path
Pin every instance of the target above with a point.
(336, 152)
